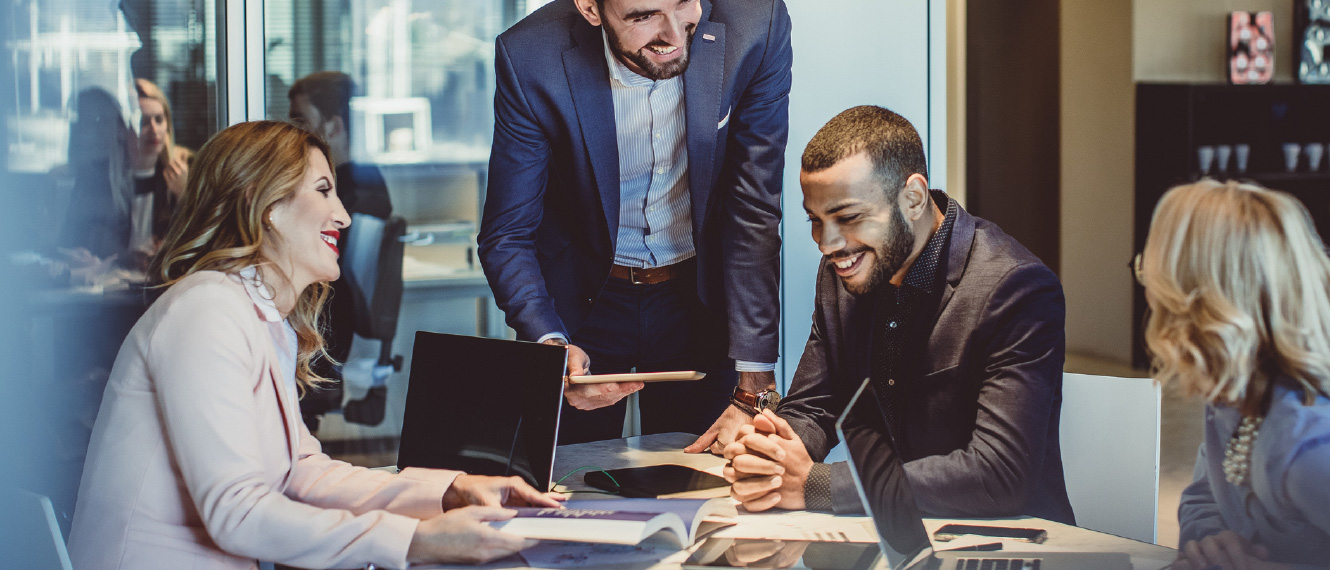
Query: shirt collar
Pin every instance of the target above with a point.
(620, 72)
(260, 294)
(924, 271)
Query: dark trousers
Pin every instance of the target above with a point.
(654, 328)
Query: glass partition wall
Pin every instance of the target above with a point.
(71, 277)
(421, 114)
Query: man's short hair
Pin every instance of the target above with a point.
(328, 91)
(892, 144)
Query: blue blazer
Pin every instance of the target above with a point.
(551, 216)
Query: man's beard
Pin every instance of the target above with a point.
(890, 256)
(651, 69)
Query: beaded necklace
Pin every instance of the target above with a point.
(1237, 456)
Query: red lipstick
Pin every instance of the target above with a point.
(335, 235)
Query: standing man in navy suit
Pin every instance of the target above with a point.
(633, 207)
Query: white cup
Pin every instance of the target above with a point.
(1314, 153)
(1242, 152)
(1206, 156)
(1223, 152)
(1291, 152)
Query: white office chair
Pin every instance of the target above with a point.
(33, 539)
(1110, 453)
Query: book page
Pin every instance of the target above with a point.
(559, 554)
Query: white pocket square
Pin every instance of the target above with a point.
(724, 121)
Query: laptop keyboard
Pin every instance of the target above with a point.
(996, 564)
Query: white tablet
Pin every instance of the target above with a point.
(680, 376)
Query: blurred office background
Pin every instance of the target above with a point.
(1028, 112)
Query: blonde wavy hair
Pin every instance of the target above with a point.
(149, 90)
(1237, 281)
(236, 179)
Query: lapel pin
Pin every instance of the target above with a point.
(708, 38)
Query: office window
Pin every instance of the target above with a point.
(71, 277)
(421, 114)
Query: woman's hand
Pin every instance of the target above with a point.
(461, 535)
(1226, 550)
(487, 491)
(175, 174)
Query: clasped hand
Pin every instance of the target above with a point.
(768, 464)
(461, 534)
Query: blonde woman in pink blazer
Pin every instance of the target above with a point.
(199, 458)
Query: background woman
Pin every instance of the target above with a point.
(160, 170)
(1237, 281)
(198, 458)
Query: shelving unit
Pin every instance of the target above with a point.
(1174, 120)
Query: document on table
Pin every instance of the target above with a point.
(559, 554)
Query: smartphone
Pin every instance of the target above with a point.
(951, 531)
(680, 376)
(770, 553)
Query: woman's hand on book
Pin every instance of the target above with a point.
(462, 535)
(487, 491)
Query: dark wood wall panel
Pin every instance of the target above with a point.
(1012, 120)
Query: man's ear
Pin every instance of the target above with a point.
(333, 128)
(914, 199)
(590, 10)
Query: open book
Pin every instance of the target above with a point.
(623, 521)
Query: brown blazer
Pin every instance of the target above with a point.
(199, 460)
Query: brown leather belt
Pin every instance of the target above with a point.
(651, 275)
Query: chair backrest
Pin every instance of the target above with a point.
(1110, 453)
(372, 260)
(32, 537)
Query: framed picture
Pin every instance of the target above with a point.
(1311, 29)
(1251, 47)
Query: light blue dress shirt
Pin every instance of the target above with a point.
(1285, 504)
(655, 220)
(655, 208)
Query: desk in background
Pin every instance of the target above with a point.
(667, 448)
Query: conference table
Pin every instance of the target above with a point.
(667, 448)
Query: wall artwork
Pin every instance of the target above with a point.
(1251, 47)
(1311, 30)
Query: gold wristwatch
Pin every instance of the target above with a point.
(753, 404)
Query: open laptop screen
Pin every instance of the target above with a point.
(481, 405)
(879, 474)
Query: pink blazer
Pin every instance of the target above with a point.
(199, 460)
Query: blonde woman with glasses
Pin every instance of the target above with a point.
(199, 458)
(1237, 279)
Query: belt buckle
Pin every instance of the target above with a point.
(632, 276)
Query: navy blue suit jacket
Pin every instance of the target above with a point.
(551, 216)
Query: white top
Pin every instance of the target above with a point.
(284, 340)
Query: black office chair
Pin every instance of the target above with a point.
(373, 265)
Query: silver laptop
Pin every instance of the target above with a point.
(879, 475)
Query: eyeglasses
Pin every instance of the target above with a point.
(1135, 266)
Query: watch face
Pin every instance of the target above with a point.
(767, 400)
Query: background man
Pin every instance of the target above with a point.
(959, 326)
(633, 206)
(321, 102)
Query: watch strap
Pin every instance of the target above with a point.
(748, 402)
